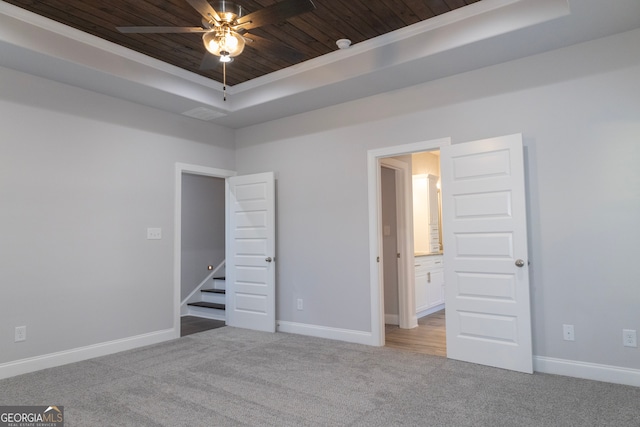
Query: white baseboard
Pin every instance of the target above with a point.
(588, 371)
(429, 311)
(357, 337)
(32, 364)
(547, 365)
(391, 319)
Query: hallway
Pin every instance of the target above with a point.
(428, 338)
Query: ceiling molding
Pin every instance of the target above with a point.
(377, 42)
(416, 54)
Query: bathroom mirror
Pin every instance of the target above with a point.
(426, 215)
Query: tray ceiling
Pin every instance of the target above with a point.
(311, 34)
(86, 51)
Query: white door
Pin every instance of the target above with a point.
(485, 253)
(250, 252)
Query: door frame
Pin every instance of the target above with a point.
(180, 169)
(404, 222)
(375, 228)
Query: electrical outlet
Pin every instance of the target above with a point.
(629, 338)
(567, 332)
(154, 233)
(21, 333)
(299, 304)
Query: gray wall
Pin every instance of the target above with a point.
(579, 111)
(82, 176)
(202, 229)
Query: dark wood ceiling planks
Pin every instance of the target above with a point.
(311, 34)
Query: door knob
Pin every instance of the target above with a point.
(268, 259)
(519, 263)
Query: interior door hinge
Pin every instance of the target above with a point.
(398, 254)
(377, 259)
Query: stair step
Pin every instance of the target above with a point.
(214, 291)
(215, 295)
(219, 283)
(208, 305)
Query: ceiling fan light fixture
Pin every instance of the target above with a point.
(223, 42)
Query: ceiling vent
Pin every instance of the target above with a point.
(202, 113)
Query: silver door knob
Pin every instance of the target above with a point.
(268, 259)
(519, 263)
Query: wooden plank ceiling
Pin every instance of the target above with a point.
(311, 34)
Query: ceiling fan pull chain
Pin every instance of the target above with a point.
(224, 81)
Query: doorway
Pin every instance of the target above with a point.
(190, 171)
(390, 246)
(429, 337)
(426, 332)
(247, 193)
(484, 218)
(203, 248)
(406, 291)
(397, 246)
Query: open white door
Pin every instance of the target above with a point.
(250, 252)
(485, 253)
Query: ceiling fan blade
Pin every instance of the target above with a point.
(204, 8)
(275, 48)
(273, 14)
(162, 29)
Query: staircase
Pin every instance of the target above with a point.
(212, 301)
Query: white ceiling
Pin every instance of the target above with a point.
(481, 34)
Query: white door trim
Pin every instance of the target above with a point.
(375, 237)
(404, 219)
(182, 168)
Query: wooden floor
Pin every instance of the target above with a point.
(428, 338)
(191, 324)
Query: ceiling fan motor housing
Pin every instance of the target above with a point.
(228, 11)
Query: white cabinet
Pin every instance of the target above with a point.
(435, 287)
(429, 283)
(421, 286)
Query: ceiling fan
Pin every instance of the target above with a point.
(225, 29)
